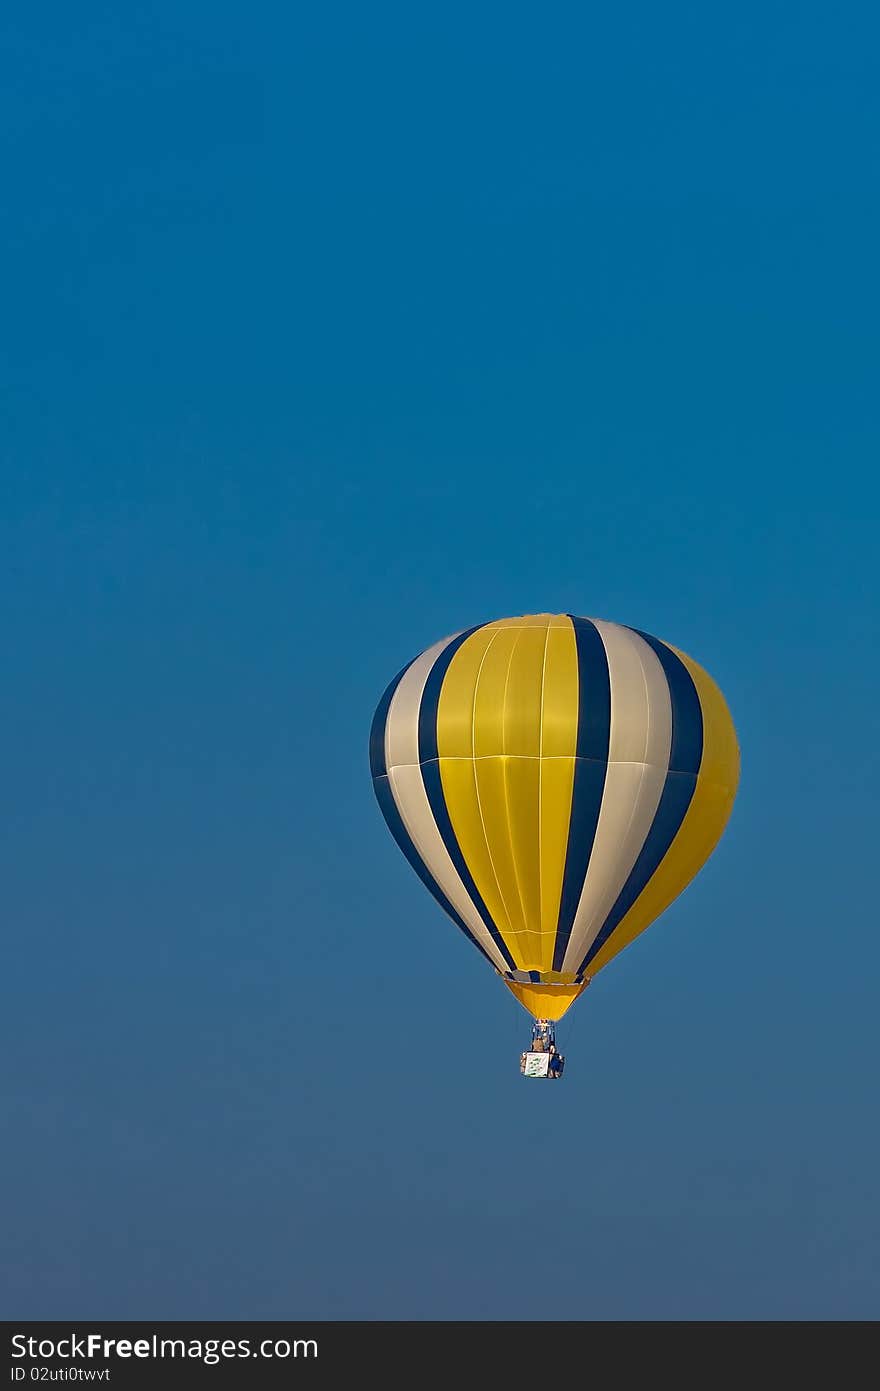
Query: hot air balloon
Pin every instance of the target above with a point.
(555, 782)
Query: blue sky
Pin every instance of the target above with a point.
(327, 334)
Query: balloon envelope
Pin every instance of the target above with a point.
(555, 782)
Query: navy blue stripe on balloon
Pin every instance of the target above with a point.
(431, 696)
(686, 752)
(429, 760)
(685, 756)
(377, 728)
(590, 769)
(388, 807)
(437, 801)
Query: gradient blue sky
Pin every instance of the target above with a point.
(327, 331)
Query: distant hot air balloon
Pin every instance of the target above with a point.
(555, 782)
